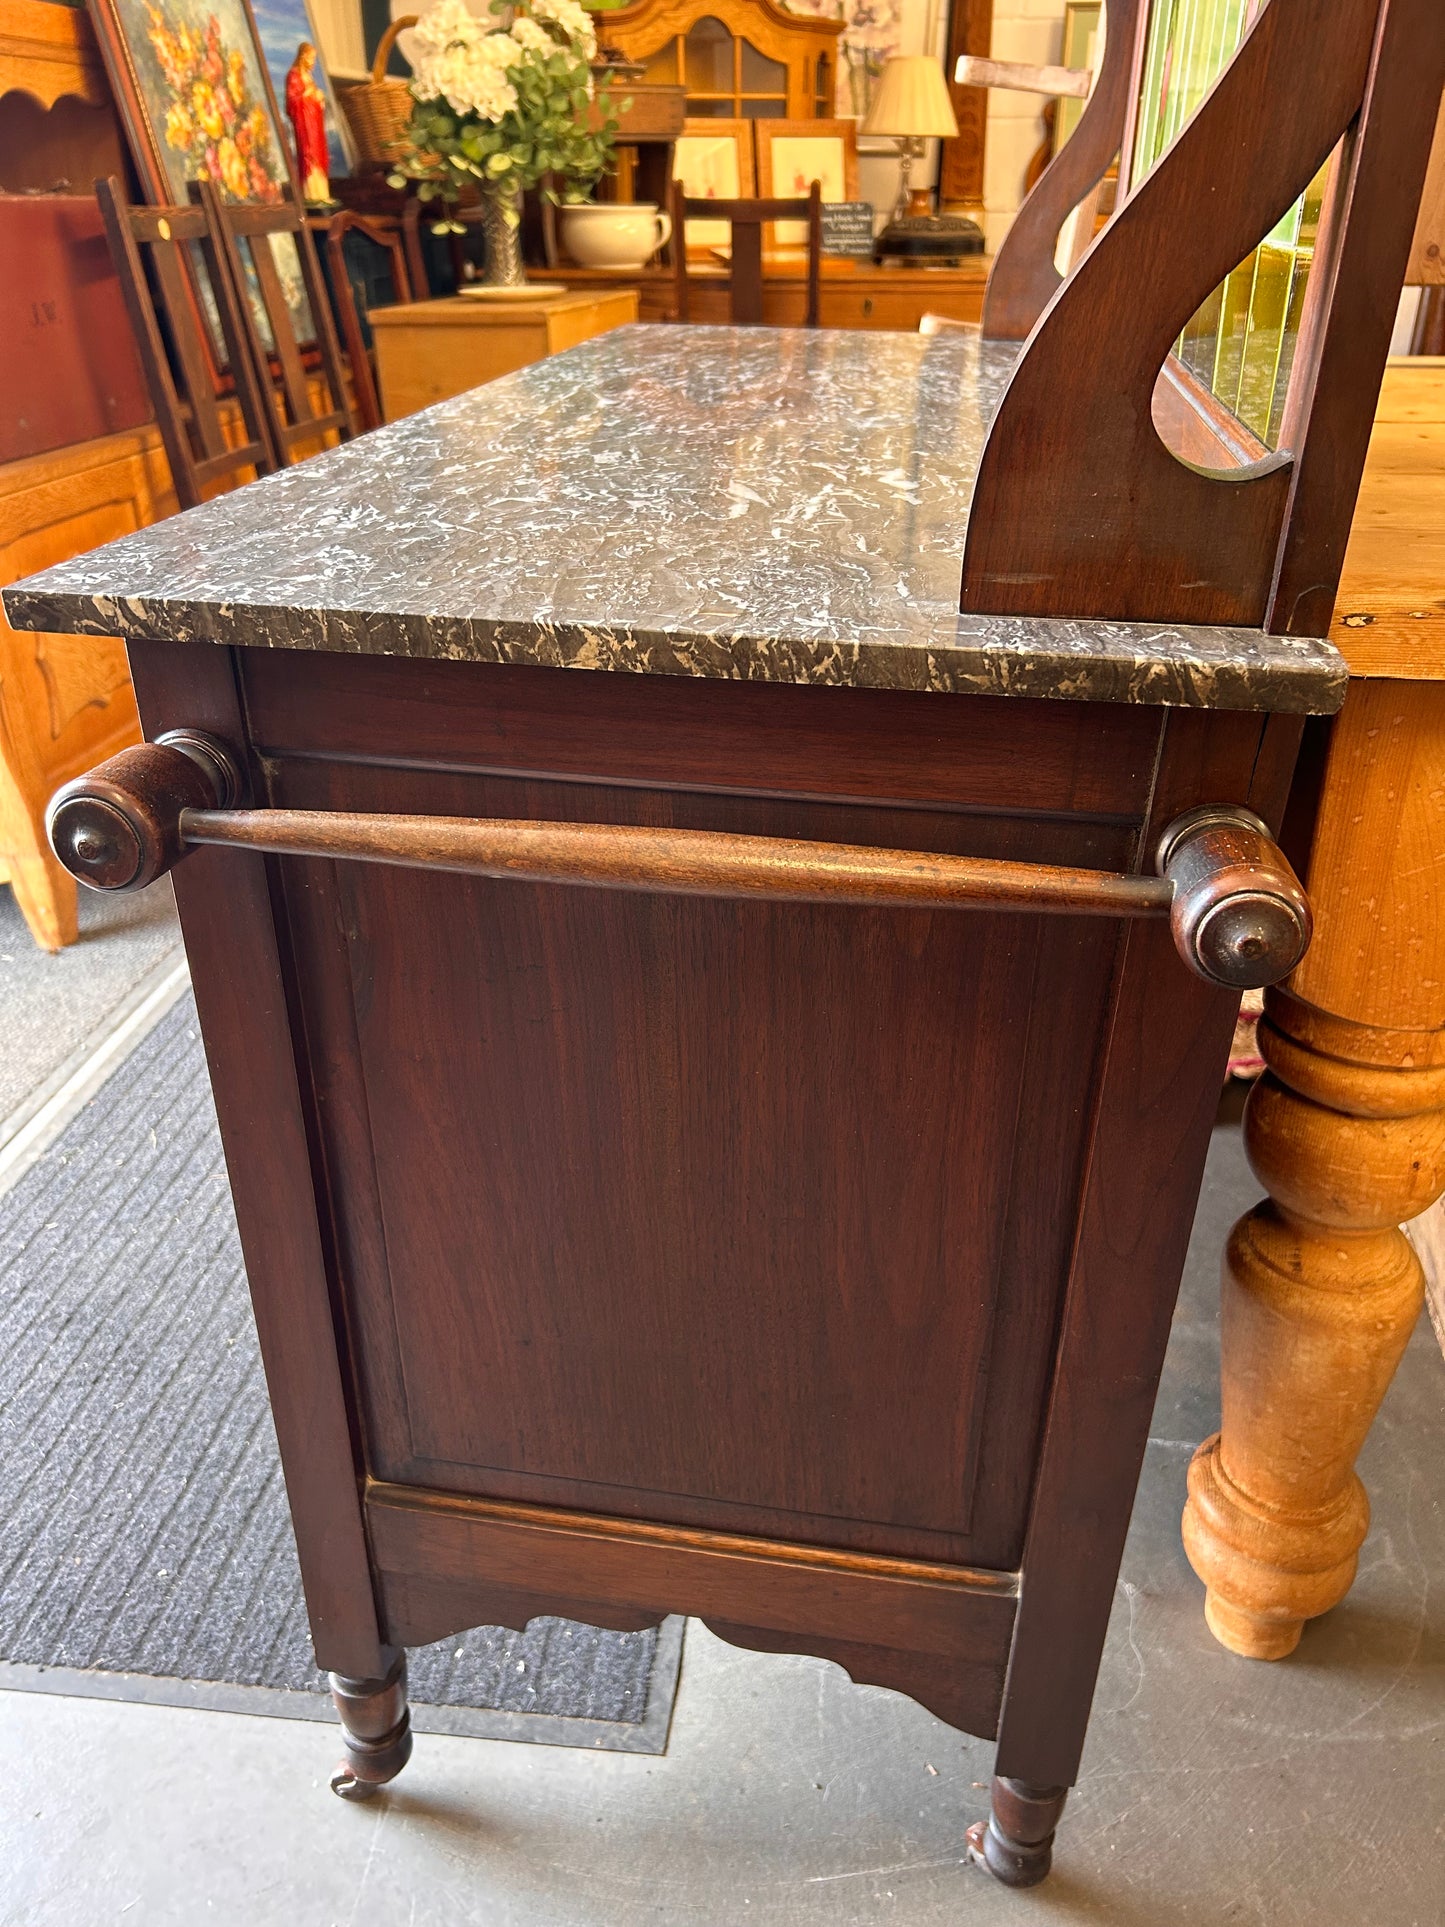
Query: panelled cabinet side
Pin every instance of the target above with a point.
(1155, 1104)
(225, 902)
(383, 1043)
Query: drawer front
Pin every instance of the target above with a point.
(898, 308)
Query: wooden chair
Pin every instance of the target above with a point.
(389, 236)
(292, 422)
(166, 307)
(746, 219)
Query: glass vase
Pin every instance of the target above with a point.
(502, 225)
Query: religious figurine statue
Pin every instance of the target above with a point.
(306, 107)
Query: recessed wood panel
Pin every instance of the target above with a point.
(699, 1159)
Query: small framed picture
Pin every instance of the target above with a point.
(714, 161)
(792, 154)
(1081, 34)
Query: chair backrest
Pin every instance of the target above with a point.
(387, 235)
(270, 302)
(746, 220)
(1079, 507)
(168, 306)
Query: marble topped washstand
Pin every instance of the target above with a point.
(717, 1133)
(756, 504)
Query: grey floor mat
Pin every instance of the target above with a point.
(145, 1546)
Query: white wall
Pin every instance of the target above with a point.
(1032, 31)
(338, 29)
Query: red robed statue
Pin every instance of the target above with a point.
(306, 108)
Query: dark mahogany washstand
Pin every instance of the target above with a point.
(715, 1049)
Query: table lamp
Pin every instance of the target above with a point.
(910, 105)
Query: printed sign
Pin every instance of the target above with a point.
(848, 228)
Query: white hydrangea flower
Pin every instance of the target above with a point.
(446, 23)
(574, 20)
(459, 60)
(530, 37)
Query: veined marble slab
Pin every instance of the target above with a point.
(764, 504)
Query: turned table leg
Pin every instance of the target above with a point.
(376, 1729)
(1346, 1131)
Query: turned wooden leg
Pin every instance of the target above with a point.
(47, 900)
(1016, 1842)
(1346, 1131)
(1321, 1292)
(376, 1728)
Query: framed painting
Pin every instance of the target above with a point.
(873, 31)
(196, 98)
(714, 161)
(792, 154)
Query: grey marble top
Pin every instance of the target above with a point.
(777, 505)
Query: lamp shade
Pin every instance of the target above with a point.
(912, 99)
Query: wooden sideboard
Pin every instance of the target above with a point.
(741, 57)
(854, 294)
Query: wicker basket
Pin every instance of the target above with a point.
(380, 108)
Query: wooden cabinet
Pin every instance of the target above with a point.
(64, 700)
(428, 350)
(737, 59)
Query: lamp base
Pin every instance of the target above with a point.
(937, 240)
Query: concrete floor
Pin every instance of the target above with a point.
(1214, 1790)
(1307, 1794)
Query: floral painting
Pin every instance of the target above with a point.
(209, 115)
(204, 96)
(872, 33)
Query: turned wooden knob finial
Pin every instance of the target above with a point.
(118, 827)
(1239, 915)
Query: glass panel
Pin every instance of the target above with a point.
(1241, 344)
(1190, 44)
(661, 68)
(709, 55)
(1081, 34)
(770, 108)
(725, 109)
(761, 75)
